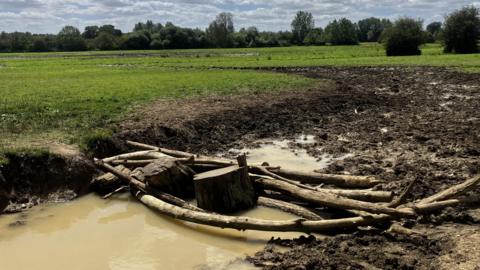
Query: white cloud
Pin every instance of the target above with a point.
(48, 16)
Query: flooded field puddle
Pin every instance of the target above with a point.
(120, 233)
(281, 153)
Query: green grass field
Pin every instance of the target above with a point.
(66, 96)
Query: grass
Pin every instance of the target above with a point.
(65, 96)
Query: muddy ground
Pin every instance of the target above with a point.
(399, 124)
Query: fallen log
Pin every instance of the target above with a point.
(403, 196)
(435, 206)
(247, 223)
(331, 200)
(362, 195)
(453, 191)
(108, 182)
(141, 186)
(288, 208)
(173, 153)
(346, 181)
(136, 155)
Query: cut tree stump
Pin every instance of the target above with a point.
(225, 190)
(170, 176)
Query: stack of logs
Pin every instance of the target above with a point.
(163, 179)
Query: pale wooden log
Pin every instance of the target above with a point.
(225, 190)
(173, 153)
(435, 206)
(289, 208)
(108, 182)
(136, 155)
(331, 200)
(125, 177)
(133, 163)
(247, 223)
(454, 191)
(347, 181)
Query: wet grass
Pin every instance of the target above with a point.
(73, 95)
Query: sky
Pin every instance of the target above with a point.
(49, 16)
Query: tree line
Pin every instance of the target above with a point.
(459, 33)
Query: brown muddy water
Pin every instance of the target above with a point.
(121, 233)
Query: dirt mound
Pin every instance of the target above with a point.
(359, 251)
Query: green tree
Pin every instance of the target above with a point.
(90, 32)
(434, 29)
(370, 29)
(342, 32)
(70, 39)
(315, 37)
(404, 37)
(107, 41)
(221, 30)
(302, 25)
(461, 31)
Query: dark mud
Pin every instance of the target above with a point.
(399, 124)
(362, 250)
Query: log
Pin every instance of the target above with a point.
(360, 195)
(170, 176)
(173, 153)
(288, 208)
(133, 163)
(224, 190)
(108, 182)
(136, 155)
(454, 191)
(346, 181)
(247, 223)
(142, 187)
(435, 206)
(331, 200)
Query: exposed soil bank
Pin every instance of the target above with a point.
(57, 176)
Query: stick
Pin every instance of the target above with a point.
(136, 155)
(118, 190)
(403, 196)
(137, 163)
(454, 191)
(331, 200)
(348, 181)
(289, 208)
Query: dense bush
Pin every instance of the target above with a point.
(404, 37)
(461, 31)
